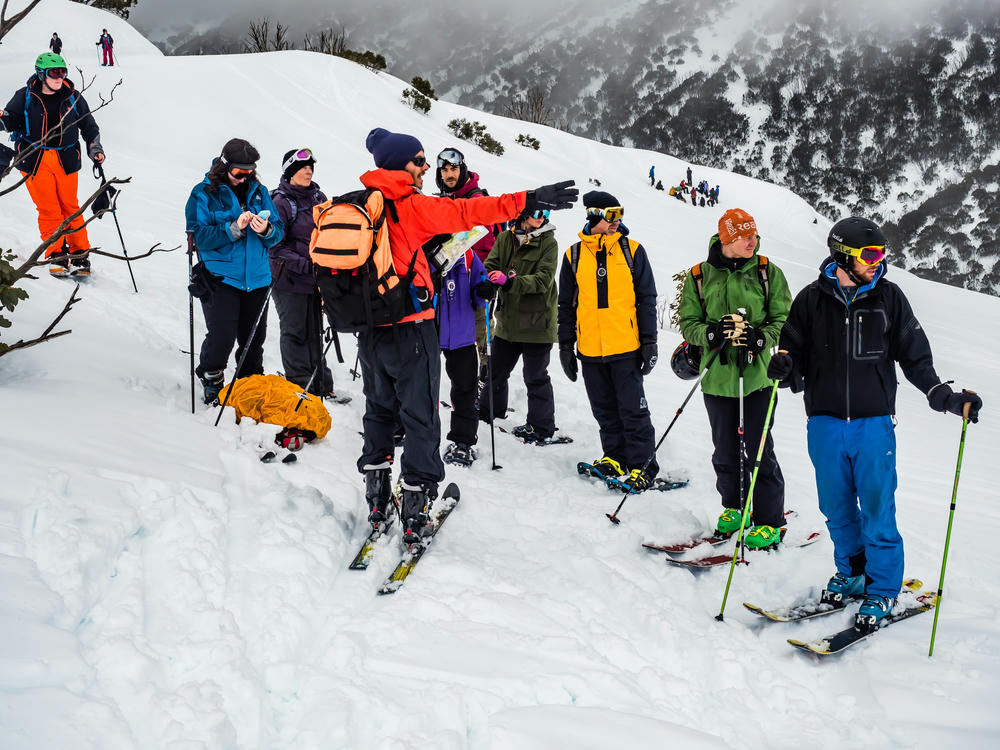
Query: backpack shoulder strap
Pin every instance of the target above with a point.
(627, 252)
(698, 279)
(293, 207)
(762, 276)
(574, 263)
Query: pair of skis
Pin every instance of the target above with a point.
(914, 603)
(412, 553)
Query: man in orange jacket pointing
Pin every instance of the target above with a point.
(401, 362)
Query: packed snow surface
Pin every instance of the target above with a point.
(162, 588)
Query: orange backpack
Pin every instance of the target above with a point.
(352, 262)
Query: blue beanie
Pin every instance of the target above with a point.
(392, 150)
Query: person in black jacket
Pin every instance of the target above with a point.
(55, 43)
(844, 334)
(47, 118)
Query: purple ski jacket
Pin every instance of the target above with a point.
(294, 246)
(458, 301)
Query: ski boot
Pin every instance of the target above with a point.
(762, 536)
(729, 522)
(841, 587)
(460, 454)
(59, 268)
(873, 610)
(378, 493)
(415, 512)
(80, 263)
(213, 382)
(637, 481)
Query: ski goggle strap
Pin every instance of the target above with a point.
(238, 170)
(871, 255)
(303, 154)
(450, 156)
(610, 214)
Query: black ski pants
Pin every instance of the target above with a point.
(618, 403)
(769, 492)
(401, 370)
(229, 317)
(301, 323)
(541, 401)
(462, 366)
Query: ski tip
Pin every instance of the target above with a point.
(291, 458)
(452, 491)
(267, 457)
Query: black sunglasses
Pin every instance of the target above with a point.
(419, 161)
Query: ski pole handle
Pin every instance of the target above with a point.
(968, 405)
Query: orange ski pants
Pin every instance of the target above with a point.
(54, 194)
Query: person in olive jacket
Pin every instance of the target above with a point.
(521, 267)
(736, 309)
(607, 308)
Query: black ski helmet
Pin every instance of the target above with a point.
(455, 158)
(853, 232)
(686, 361)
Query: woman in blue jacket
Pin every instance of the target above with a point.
(234, 223)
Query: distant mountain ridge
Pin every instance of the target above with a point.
(892, 118)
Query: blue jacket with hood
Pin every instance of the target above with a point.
(239, 257)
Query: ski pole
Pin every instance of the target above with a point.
(99, 172)
(746, 507)
(305, 391)
(489, 387)
(249, 342)
(191, 251)
(742, 445)
(951, 517)
(613, 517)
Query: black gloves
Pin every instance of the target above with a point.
(716, 333)
(752, 339)
(567, 358)
(552, 197)
(942, 398)
(647, 354)
(486, 290)
(780, 367)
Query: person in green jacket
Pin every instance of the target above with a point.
(741, 306)
(521, 269)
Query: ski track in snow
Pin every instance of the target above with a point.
(165, 589)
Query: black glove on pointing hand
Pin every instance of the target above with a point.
(647, 353)
(552, 197)
(942, 398)
(567, 358)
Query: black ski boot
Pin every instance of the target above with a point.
(80, 263)
(460, 454)
(415, 512)
(213, 382)
(378, 493)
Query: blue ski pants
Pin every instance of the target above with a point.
(855, 466)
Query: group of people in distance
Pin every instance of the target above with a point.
(837, 341)
(709, 195)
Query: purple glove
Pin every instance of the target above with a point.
(497, 277)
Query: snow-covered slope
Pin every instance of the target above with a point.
(164, 589)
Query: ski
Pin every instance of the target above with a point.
(816, 607)
(554, 440)
(716, 560)
(414, 552)
(364, 556)
(714, 539)
(845, 639)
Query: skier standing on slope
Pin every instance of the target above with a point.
(107, 45)
(49, 102)
(298, 301)
(741, 299)
(844, 334)
(455, 180)
(400, 362)
(607, 309)
(55, 43)
(522, 275)
(232, 237)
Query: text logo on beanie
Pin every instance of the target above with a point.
(736, 224)
(392, 150)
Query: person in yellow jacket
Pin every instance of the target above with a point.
(607, 309)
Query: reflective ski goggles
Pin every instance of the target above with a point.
(610, 215)
(540, 213)
(303, 154)
(419, 161)
(241, 172)
(56, 72)
(450, 156)
(871, 255)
